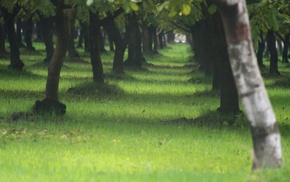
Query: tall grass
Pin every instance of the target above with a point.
(140, 129)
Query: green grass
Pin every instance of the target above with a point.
(131, 130)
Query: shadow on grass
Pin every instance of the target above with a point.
(6, 72)
(94, 89)
(212, 119)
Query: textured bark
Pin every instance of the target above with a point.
(94, 30)
(265, 133)
(271, 42)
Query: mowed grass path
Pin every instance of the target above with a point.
(131, 132)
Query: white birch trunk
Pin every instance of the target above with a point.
(250, 85)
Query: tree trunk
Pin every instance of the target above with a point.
(84, 36)
(135, 57)
(146, 41)
(271, 42)
(170, 37)
(264, 129)
(94, 31)
(2, 42)
(160, 39)
(286, 48)
(15, 62)
(47, 29)
(121, 44)
(72, 52)
(260, 53)
(155, 39)
(51, 102)
(19, 32)
(28, 31)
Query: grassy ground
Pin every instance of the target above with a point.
(142, 127)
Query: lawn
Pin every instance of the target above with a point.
(148, 125)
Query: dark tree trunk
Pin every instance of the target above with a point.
(15, 62)
(121, 44)
(170, 37)
(94, 31)
(39, 37)
(135, 57)
(28, 31)
(160, 39)
(2, 42)
(84, 36)
(51, 102)
(146, 40)
(286, 48)
(19, 26)
(155, 40)
(101, 41)
(72, 52)
(111, 43)
(271, 42)
(260, 53)
(47, 30)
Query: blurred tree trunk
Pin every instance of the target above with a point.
(94, 31)
(146, 40)
(9, 17)
(71, 17)
(286, 42)
(28, 31)
(271, 42)
(2, 42)
(264, 128)
(47, 28)
(260, 53)
(120, 43)
(135, 56)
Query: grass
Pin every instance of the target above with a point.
(135, 129)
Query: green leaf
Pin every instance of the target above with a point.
(134, 6)
(212, 9)
(186, 9)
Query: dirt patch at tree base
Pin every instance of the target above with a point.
(48, 106)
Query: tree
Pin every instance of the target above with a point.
(9, 17)
(264, 128)
(51, 102)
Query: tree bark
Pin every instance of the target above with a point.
(146, 40)
(271, 42)
(264, 128)
(94, 31)
(9, 17)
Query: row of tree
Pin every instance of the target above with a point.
(211, 35)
